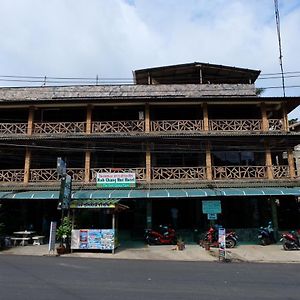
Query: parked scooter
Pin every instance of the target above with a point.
(266, 235)
(165, 235)
(212, 237)
(290, 240)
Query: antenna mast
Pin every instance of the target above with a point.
(279, 44)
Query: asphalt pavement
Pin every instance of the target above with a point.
(43, 278)
(192, 252)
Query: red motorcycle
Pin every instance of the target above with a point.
(290, 240)
(212, 237)
(165, 235)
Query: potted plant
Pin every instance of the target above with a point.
(63, 233)
(180, 244)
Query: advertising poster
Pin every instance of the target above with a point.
(222, 243)
(98, 239)
(83, 239)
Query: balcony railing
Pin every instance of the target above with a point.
(179, 173)
(157, 174)
(13, 128)
(176, 125)
(59, 128)
(132, 126)
(118, 126)
(235, 125)
(15, 175)
(239, 172)
(140, 173)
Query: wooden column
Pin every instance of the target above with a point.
(265, 123)
(147, 118)
(269, 162)
(89, 119)
(285, 118)
(205, 117)
(208, 161)
(148, 164)
(291, 162)
(27, 166)
(87, 166)
(274, 217)
(30, 120)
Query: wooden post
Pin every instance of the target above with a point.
(149, 78)
(89, 119)
(30, 120)
(147, 118)
(208, 161)
(265, 123)
(291, 163)
(87, 166)
(27, 166)
(285, 118)
(148, 164)
(201, 75)
(274, 217)
(269, 164)
(205, 117)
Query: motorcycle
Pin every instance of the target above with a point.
(290, 240)
(212, 238)
(165, 235)
(266, 235)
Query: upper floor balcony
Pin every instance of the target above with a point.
(140, 126)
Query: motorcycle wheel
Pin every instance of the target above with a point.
(230, 243)
(287, 246)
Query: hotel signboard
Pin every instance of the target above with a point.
(115, 180)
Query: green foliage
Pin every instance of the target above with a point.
(65, 229)
(259, 91)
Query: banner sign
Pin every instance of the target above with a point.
(112, 180)
(52, 237)
(222, 243)
(65, 192)
(212, 216)
(211, 207)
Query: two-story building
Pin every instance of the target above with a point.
(190, 133)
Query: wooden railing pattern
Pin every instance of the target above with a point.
(235, 125)
(140, 173)
(239, 172)
(37, 175)
(118, 126)
(13, 128)
(281, 172)
(14, 175)
(59, 128)
(179, 173)
(276, 125)
(176, 125)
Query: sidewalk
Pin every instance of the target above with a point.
(193, 252)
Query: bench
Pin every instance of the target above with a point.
(38, 240)
(23, 240)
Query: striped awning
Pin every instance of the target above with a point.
(156, 193)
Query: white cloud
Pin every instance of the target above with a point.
(111, 38)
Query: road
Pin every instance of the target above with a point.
(29, 277)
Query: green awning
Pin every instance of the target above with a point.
(155, 193)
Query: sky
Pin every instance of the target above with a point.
(111, 38)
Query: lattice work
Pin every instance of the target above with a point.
(16, 175)
(275, 125)
(239, 172)
(178, 173)
(77, 174)
(59, 128)
(13, 128)
(140, 173)
(281, 172)
(47, 175)
(235, 125)
(177, 125)
(118, 126)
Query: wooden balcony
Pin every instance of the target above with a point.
(165, 174)
(133, 126)
(59, 128)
